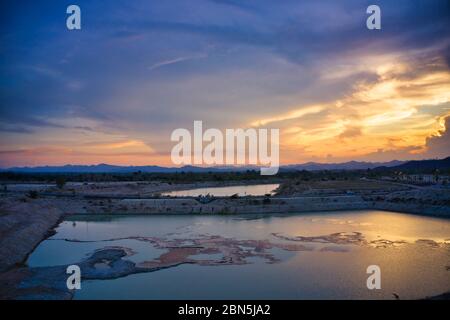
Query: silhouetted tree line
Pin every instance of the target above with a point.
(184, 177)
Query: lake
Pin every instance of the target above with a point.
(304, 256)
(244, 190)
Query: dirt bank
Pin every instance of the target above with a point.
(431, 202)
(24, 223)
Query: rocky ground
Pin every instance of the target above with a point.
(423, 201)
(337, 187)
(24, 223)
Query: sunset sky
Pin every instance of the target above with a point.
(114, 91)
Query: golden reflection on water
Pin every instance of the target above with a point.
(334, 251)
(378, 225)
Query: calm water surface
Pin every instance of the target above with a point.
(250, 190)
(413, 253)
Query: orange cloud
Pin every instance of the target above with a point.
(401, 110)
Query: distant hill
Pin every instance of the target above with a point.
(351, 165)
(107, 168)
(424, 165)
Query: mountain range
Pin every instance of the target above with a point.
(310, 166)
